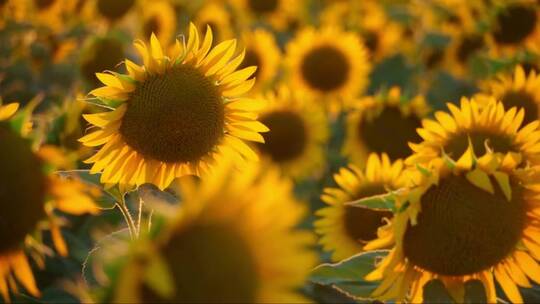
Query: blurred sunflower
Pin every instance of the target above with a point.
(251, 219)
(31, 192)
(476, 219)
(488, 128)
(48, 13)
(175, 115)
(329, 63)
(384, 123)
(344, 229)
(158, 17)
(113, 11)
(462, 49)
(298, 131)
(521, 90)
(263, 52)
(99, 54)
(515, 26)
(12, 10)
(277, 13)
(215, 15)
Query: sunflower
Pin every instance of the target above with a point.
(113, 11)
(158, 17)
(344, 229)
(475, 219)
(215, 15)
(175, 115)
(382, 36)
(384, 123)
(12, 10)
(329, 63)
(487, 127)
(278, 13)
(263, 52)
(521, 90)
(515, 26)
(298, 131)
(250, 219)
(464, 46)
(49, 13)
(31, 192)
(99, 54)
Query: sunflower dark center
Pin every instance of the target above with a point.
(325, 68)
(103, 54)
(361, 224)
(459, 143)
(434, 57)
(521, 99)
(515, 24)
(463, 229)
(175, 117)
(114, 10)
(389, 132)
(43, 4)
(529, 67)
(22, 190)
(468, 47)
(263, 6)
(210, 264)
(287, 138)
(252, 58)
(152, 25)
(372, 41)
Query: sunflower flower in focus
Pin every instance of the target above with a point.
(345, 229)
(31, 192)
(174, 115)
(472, 220)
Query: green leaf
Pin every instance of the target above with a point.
(382, 202)
(435, 292)
(475, 292)
(348, 275)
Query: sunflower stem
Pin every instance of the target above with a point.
(127, 217)
(139, 217)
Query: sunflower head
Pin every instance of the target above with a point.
(345, 229)
(158, 17)
(263, 52)
(328, 63)
(521, 90)
(277, 13)
(29, 193)
(114, 10)
(461, 221)
(215, 15)
(298, 130)
(98, 55)
(224, 211)
(384, 123)
(175, 115)
(486, 126)
(515, 25)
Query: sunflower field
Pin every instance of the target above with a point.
(269, 151)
